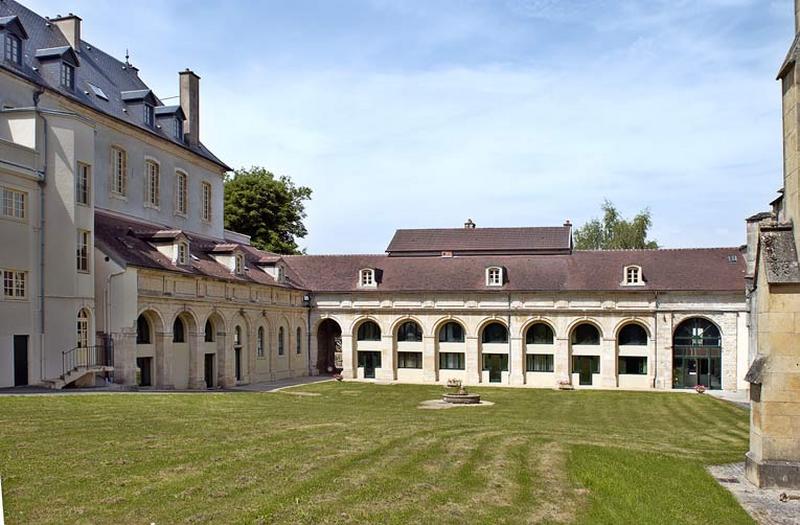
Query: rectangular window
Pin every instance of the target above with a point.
(409, 359)
(152, 181)
(84, 239)
(494, 277)
(374, 359)
(206, 201)
(180, 193)
(579, 360)
(495, 360)
(633, 365)
(83, 184)
(149, 115)
(178, 129)
(67, 76)
(183, 253)
(14, 284)
(451, 361)
(14, 203)
(13, 51)
(119, 171)
(539, 363)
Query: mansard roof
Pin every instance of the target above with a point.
(684, 270)
(481, 241)
(97, 68)
(127, 242)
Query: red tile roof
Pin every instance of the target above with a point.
(701, 270)
(463, 241)
(125, 240)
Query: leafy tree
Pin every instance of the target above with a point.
(269, 209)
(614, 232)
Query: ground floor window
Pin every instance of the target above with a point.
(633, 365)
(495, 362)
(585, 366)
(539, 362)
(369, 361)
(451, 361)
(409, 360)
(693, 366)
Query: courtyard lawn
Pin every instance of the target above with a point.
(364, 453)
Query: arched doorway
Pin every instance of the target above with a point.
(697, 355)
(329, 347)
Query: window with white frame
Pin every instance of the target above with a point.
(14, 284)
(494, 276)
(14, 203)
(367, 278)
(183, 253)
(119, 171)
(67, 76)
(83, 329)
(180, 193)
(206, 210)
(13, 49)
(151, 184)
(632, 276)
(83, 184)
(84, 240)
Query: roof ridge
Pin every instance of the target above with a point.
(612, 250)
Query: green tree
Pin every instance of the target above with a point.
(613, 232)
(269, 209)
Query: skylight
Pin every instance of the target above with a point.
(97, 91)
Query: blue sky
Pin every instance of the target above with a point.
(404, 114)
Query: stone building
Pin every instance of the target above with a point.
(774, 241)
(122, 269)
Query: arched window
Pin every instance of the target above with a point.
(299, 341)
(209, 332)
(698, 332)
(539, 334)
(369, 331)
(280, 341)
(178, 331)
(585, 334)
(451, 333)
(632, 276)
(494, 276)
(237, 336)
(409, 331)
(632, 334)
(495, 333)
(260, 342)
(367, 278)
(83, 329)
(142, 331)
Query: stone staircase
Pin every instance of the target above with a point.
(81, 364)
(75, 376)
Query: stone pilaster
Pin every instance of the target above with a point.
(472, 364)
(125, 357)
(608, 363)
(196, 360)
(388, 369)
(516, 361)
(349, 358)
(430, 366)
(561, 360)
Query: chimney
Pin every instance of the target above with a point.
(469, 225)
(567, 224)
(70, 27)
(190, 104)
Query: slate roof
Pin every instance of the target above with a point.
(96, 67)
(463, 241)
(126, 241)
(689, 270)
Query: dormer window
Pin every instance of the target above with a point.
(279, 275)
(13, 49)
(632, 276)
(67, 76)
(149, 116)
(238, 263)
(494, 276)
(367, 278)
(183, 253)
(178, 129)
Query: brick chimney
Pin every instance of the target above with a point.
(190, 104)
(70, 27)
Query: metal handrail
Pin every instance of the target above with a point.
(88, 356)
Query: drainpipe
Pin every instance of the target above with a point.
(42, 183)
(655, 345)
(307, 301)
(509, 339)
